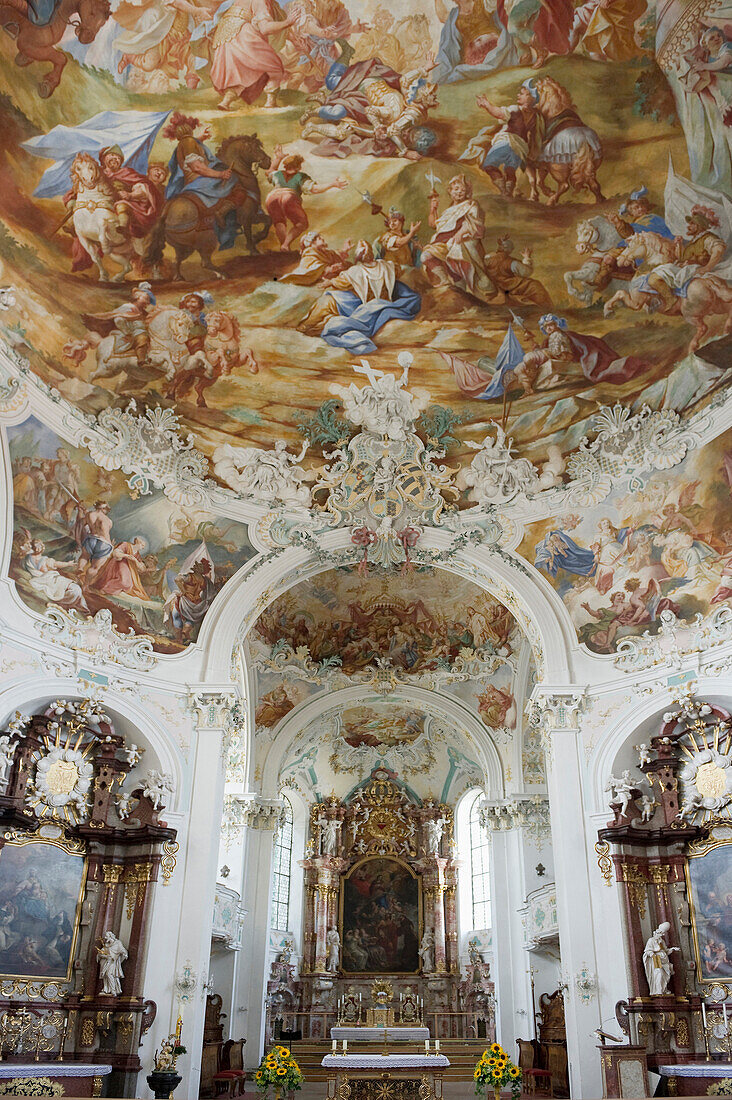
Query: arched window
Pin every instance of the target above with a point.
(282, 871)
(479, 867)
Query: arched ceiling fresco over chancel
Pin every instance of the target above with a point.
(383, 287)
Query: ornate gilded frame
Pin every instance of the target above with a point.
(420, 909)
(698, 850)
(73, 848)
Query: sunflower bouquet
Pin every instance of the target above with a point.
(496, 1071)
(280, 1069)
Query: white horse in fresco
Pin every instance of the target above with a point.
(169, 329)
(95, 220)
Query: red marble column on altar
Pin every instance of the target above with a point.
(321, 931)
(438, 897)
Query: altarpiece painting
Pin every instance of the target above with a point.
(381, 918)
(709, 884)
(41, 887)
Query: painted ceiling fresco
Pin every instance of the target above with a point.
(417, 622)
(666, 546)
(340, 748)
(83, 542)
(219, 205)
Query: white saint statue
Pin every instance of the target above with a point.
(621, 791)
(435, 829)
(7, 751)
(427, 952)
(656, 961)
(329, 830)
(333, 941)
(110, 955)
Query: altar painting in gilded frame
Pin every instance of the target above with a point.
(709, 889)
(381, 917)
(41, 890)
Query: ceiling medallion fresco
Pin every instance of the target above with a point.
(418, 623)
(423, 749)
(392, 270)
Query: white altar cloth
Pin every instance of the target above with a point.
(384, 1061)
(695, 1069)
(53, 1069)
(376, 1034)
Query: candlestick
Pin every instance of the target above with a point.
(178, 1031)
(704, 1015)
(345, 1046)
(724, 1010)
(334, 1048)
(437, 1046)
(426, 1046)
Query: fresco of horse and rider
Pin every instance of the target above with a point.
(220, 205)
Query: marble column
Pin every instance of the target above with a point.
(439, 924)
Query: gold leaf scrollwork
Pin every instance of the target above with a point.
(604, 862)
(88, 1030)
(682, 1033)
(31, 1086)
(136, 879)
(168, 862)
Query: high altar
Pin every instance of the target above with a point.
(380, 889)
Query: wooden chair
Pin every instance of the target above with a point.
(210, 1066)
(230, 1079)
(532, 1073)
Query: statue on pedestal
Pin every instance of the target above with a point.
(656, 961)
(427, 952)
(435, 829)
(621, 792)
(111, 953)
(333, 940)
(329, 830)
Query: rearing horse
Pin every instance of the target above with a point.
(184, 225)
(706, 295)
(37, 42)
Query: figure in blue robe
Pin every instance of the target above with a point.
(558, 551)
(210, 190)
(359, 321)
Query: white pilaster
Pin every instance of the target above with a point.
(559, 715)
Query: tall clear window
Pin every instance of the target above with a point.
(479, 867)
(282, 871)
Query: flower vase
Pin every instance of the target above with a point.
(496, 1093)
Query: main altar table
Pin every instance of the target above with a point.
(385, 1076)
(379, 1034)
(694, 1078)
(52, 1078)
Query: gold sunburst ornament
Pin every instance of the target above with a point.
(63, 772)
(706, 774)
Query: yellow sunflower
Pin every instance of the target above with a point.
(496, 1048)
(491, 1061)
(281, 1072)
(514, 1071)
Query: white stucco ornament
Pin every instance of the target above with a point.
(707, 780)
(157, 787)
(62, 781)
(385, 407)
(269, 477)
